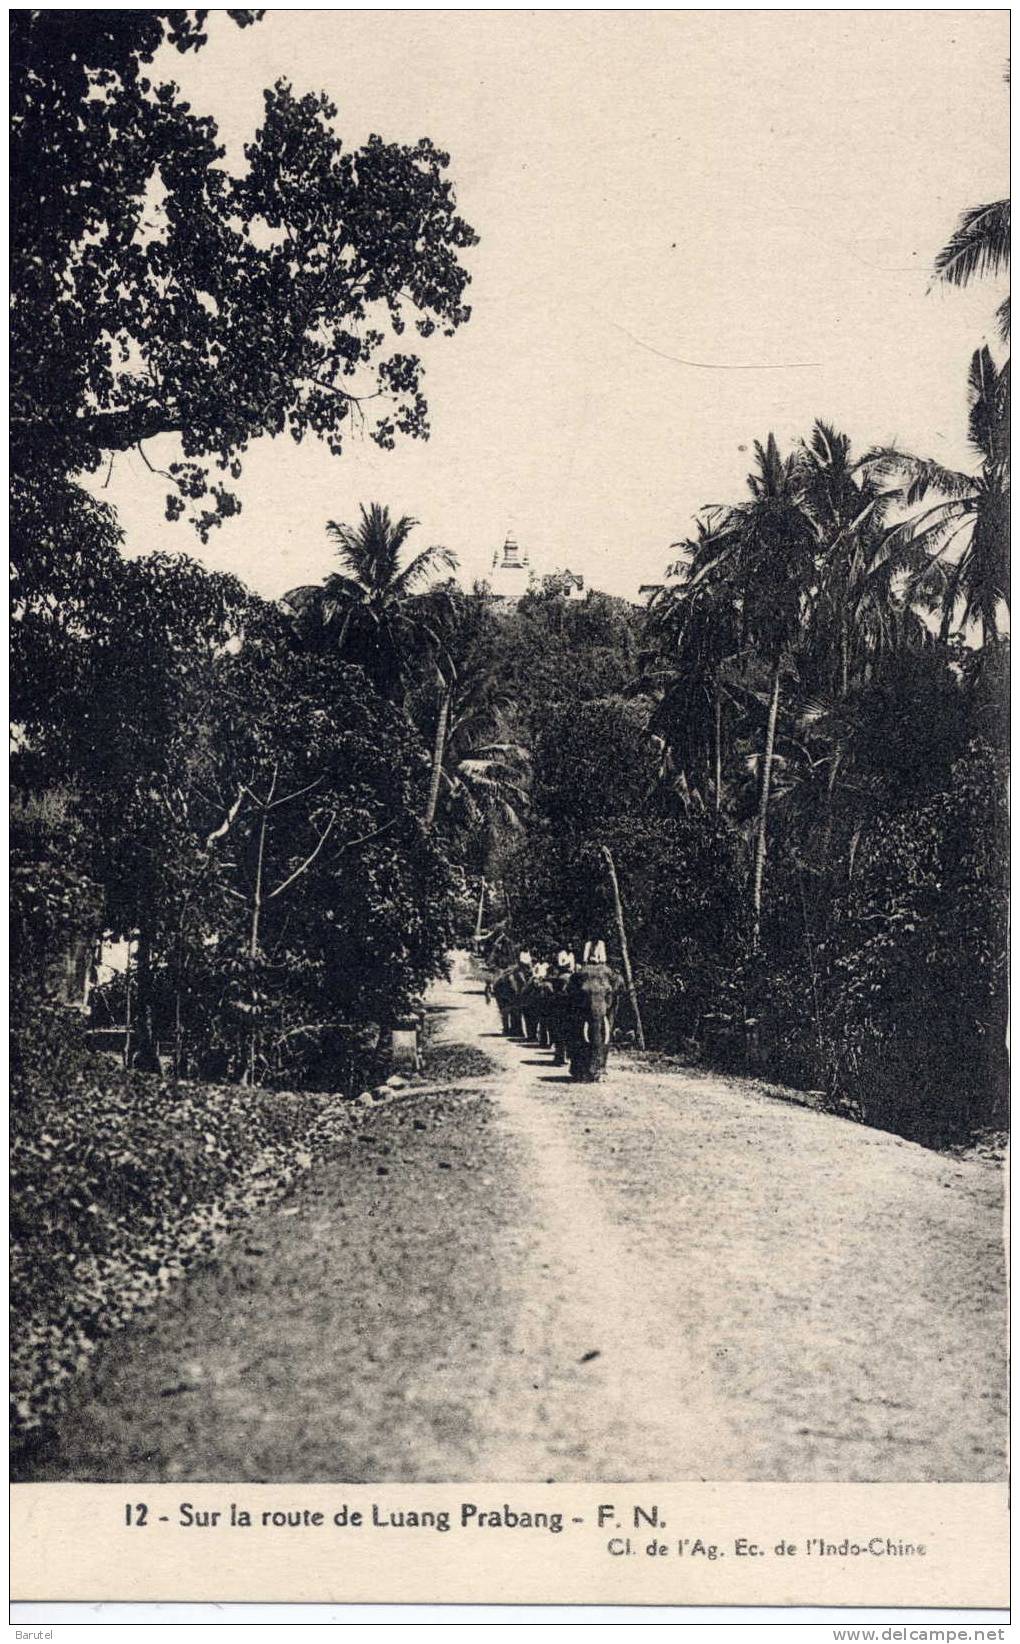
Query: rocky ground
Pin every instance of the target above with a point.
(667, 1276)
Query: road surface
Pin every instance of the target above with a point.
(668, 1276)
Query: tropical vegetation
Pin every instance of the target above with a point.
(292, 810)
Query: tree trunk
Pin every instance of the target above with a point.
(179, 969)
(145, 1057)
(128, 1024)
(438, 750)
(253, 939)
(481, 912)
(758, 878)
(628, 974)
(855, 840)
(178, 1034)
(828, 829)
(509, 919)
(718, 750)
(256, 901)
(809, 948)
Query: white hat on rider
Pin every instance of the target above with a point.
(524, 957)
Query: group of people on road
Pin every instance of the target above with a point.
(563, 1005)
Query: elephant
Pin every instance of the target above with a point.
(591, 999)
(558, 1017)
(501, 989)
(535, 1003)
(507, 988)
(527, 1005)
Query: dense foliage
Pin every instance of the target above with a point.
(252, 815)
(920, 959)
(155, 292)
(802, 790)
(793, 760)
(190, 776)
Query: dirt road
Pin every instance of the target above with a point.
(662, 1277)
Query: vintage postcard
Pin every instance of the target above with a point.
(509, 858)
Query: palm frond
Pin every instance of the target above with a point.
(814, 711)
(985, 402)
(979, 245)
(351, 547)
(422, 566)
(919, 475)
(340, 588)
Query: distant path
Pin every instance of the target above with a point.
(663, 1277)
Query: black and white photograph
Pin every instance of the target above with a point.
(509, 657)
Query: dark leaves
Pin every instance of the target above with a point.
(220, 308)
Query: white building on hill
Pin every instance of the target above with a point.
(512, 576)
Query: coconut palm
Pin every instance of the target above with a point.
(476, 763)
(489, 784)
(870, 578)
(979, 245)
(372, 610)
(759, 557)
(869, 591)
(692, 638)
(971, 519)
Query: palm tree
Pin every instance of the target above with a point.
(372, 609)
(438, 750)
(863, 609)
(979, 246)
(973, 513)
(476, 763)
(692, 637)
(871, 577)
(489, 784)
(761, 556)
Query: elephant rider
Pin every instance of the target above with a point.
(561, 969)
(535, 1002)
(592, 995)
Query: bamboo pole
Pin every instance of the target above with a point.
(628, 974)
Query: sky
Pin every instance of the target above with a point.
(695, 228)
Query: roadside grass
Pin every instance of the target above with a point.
(122, 1181)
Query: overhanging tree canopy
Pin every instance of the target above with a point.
(156, 292)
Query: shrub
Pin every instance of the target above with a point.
(117, 1180)
(919, 1022)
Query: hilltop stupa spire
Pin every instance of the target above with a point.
(511, 557)
(511, 569)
